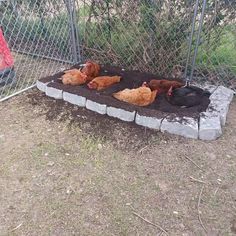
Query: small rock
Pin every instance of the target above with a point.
(50, 163)
(46, 154)
(67, 154)
(99, 146)
(175, 212)
(68, 191)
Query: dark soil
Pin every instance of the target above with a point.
(99, 125)
(130, 79)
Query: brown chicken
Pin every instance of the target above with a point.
(103, 82)
(91, 69)
(163, 86)
(74, 77)
(142, 96)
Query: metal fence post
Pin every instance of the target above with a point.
(191, 40)
(198, 39)
(70, 4)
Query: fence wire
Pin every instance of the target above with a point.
(153, 36)
(147, 35)
(37, 33)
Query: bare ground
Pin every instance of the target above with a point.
(68, 171)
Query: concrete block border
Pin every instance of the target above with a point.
(97, 107)
(149, 122)
(121, 114)
(41, 86)
(54, 92)
(208, 126)
(186, 126)
(74, 99)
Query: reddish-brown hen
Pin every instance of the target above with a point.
(91, 69)
(163, 86)
(103, 82)
(74, 77)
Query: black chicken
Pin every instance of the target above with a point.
(186, 96)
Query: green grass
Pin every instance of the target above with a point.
(223, 55)
(122, 44)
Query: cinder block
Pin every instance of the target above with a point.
(41, 86)
(121, 114)
(209, 127)
(219, 108)
(150, 122)
(74, 99)
(186, 126)
(97, 107)
(222, 94)
(54, 92)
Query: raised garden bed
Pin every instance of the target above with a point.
(203, 121)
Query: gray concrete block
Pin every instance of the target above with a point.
(150, 122)
(121, 114)
(219, 108)
(186, 126)
(209, 127)
(97, 107)
(41, 86)
(222, 93)
(54, 92)
(74, 99)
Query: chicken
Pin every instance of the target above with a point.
(103, 82)
(163, 85)
(186, 96)
(74, 77)
(91, 69)
(142, 96)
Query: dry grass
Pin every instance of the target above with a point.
(65, 171)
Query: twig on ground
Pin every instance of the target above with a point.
(197, 180)
(198, 209)
(149, 222)
(142, 149)
(17, 227)
(217, 189)
(193, 162)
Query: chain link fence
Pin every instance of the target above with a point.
(38, 35)
(45, 36)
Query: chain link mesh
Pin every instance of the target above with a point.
(37, 33)
(153, 36)
(216, 61)
(146, 35)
